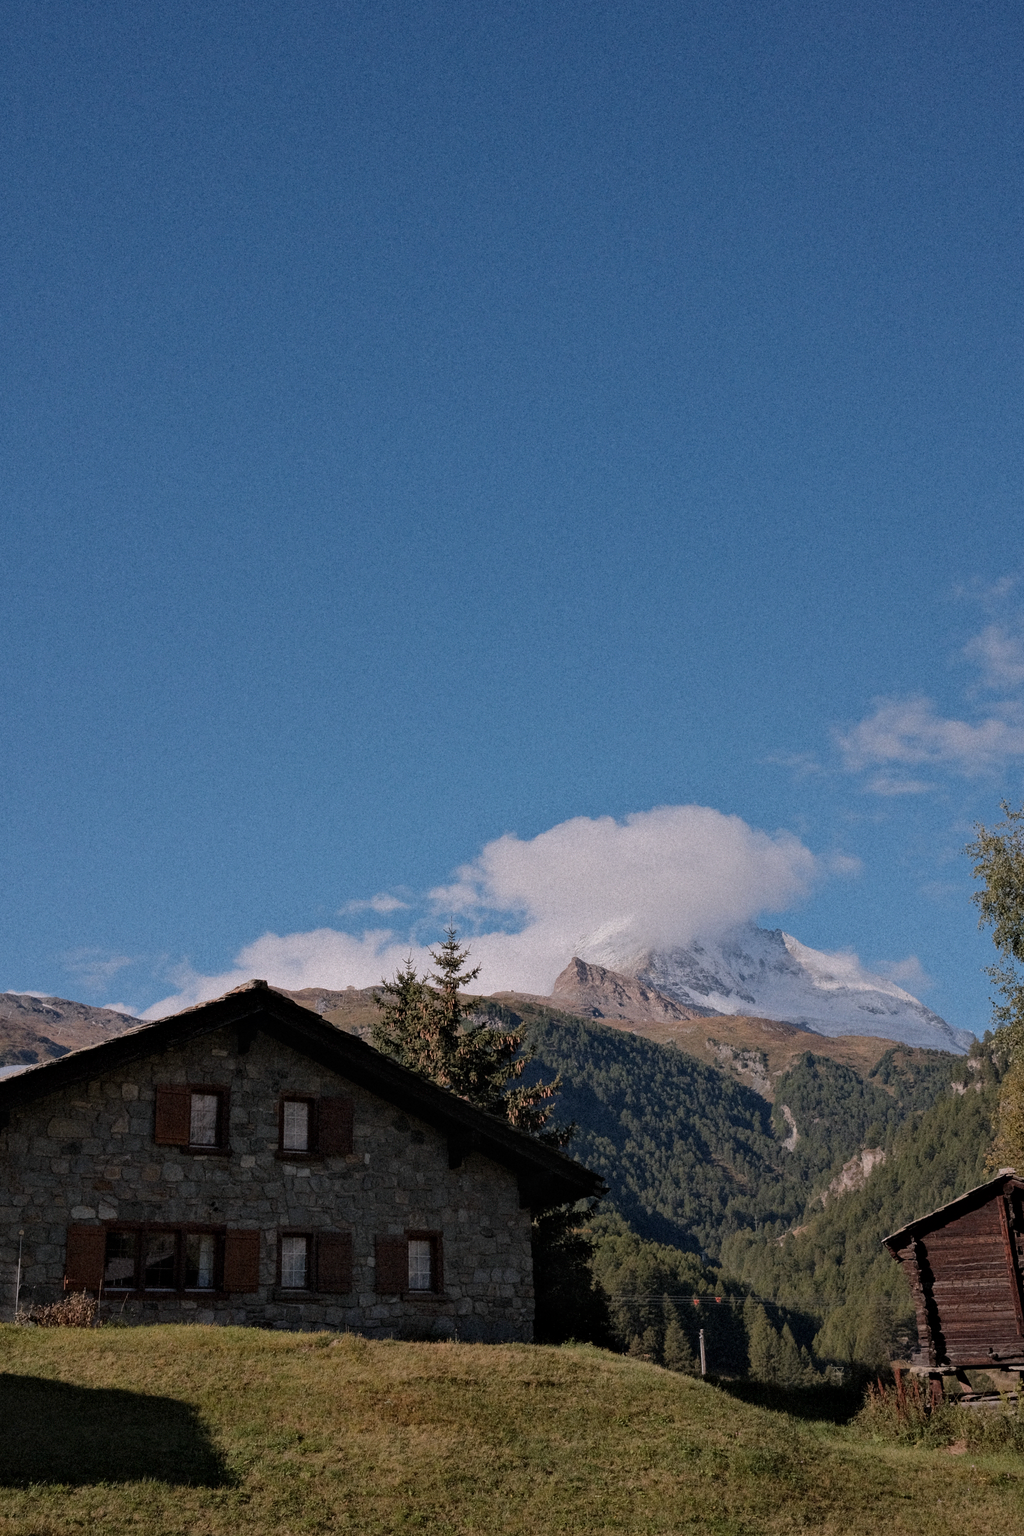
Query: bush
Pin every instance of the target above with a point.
(904, 1412)
(75, 1311)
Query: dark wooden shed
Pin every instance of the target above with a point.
(964, 1263)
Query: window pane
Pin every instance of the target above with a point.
(119, 1265)
(161, 1252)
(421, 1276)
(294, 1253)
(203, 1124)
(200, 1261)
(295, 1126)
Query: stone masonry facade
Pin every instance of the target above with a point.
(85, 1157)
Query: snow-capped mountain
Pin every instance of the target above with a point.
(768, 973)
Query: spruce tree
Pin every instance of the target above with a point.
(425, 1024)
(676, 1353)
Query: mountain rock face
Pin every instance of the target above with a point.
(602, 994)
(34, 1029)
(768, 973)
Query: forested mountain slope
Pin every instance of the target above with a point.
(691, 1155)
(833, 1266)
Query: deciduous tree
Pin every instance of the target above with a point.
(998, 853)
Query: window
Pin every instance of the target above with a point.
(295, 1125)
(160, 1269)
(200, 1261)
(168, 1259)
(119, 1264)
(315, 1261)
(189, 1116)
(294, 1263)
(313, 1127)
(203, 1120)
(421, 1267)
(409, 1265)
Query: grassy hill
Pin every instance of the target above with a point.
(214, 1431)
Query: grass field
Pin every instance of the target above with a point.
(208, 1431)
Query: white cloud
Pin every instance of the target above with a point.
(845, 864)
(909, 732)
(1000, 654)
(95, 967)
(382, 904)
(888, 784)
(908, 973)
(659, 877)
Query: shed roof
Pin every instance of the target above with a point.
(547, 1176)
(1005, 1180)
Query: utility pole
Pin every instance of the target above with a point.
(17, 1278)
(703, 1357)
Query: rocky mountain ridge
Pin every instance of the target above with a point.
(769, 974)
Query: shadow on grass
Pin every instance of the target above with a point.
(56, 1433)
(831, 1405)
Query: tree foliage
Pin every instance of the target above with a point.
(998, 853)
(432, 1030)
(429, 1025)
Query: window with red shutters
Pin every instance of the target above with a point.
(189, 1115)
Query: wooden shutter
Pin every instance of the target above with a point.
(173, 1115)
(392, 1273)
(242, 1261)
(334, 1262)
(86, 1255)
(334, 1127)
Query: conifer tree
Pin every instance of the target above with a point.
(429, 1029)
(676, 1352)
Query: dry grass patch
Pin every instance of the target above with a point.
(211, 1431)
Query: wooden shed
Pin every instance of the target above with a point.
(964, 1263)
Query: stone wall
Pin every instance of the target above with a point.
(87, 1155)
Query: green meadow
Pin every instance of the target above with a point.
(206, 1431)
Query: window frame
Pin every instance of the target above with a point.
(181, 1230)
(310, 1237)
(434, 1238)
(219, 1147)
(292, 1154)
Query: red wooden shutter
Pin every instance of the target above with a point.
(392, 1272)
(242, 1261)
(334, 1262)
(173, 1115)
(86, 1254)
(437, 1255)
(334, 1129)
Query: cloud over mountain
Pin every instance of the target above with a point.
(658, 877)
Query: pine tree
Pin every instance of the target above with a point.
(676, 1353)
(425, 1024)
(763, 1344)
(428, 1028)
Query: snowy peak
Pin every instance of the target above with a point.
(769, 973)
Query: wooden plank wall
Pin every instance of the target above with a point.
(969, 1272)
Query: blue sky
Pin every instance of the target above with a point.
(424, 423)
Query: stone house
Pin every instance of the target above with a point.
(246, 1162)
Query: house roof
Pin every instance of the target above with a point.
(1005, 1180)
(546, 1176)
